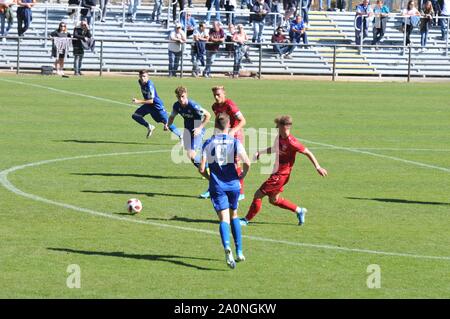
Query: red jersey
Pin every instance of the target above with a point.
(233, 111)
(287, 149)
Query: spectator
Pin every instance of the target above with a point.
(230, 5)
(103, 5)
(181, 3)
(321, 5)
(201, 36)
(24, 15)
(157, 11)
(260, 11)
(88, 10)
(280, 41)
(240, 39)
(381, 13)
(60, 47)
(275, 7)
(412, 20)
(81, 34)
(297, 32)
(6, 17)
(216, 38)
(444, 13)
(209, 5)
(132, 10)
(177, 40)
(363, 12)
(229, 46)
(341, 5)
(188, 23)
(290, 10)
(425, 23)
(305, 6)
(73, 3)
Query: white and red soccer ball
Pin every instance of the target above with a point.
(134, 206)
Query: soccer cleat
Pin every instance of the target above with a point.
(243, 221)
(150, 130)
(241, 197)
(205, 195)
(239, 256)
(229, 258)
(301, 216)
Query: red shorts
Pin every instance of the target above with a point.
(274, 184)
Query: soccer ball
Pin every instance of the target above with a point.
(134, 205)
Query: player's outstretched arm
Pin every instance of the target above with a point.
(207, 116)
(322, 171)
(138, 101)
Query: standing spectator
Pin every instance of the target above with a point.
(341, 5)
(209, 5)
(132, 10)
(413, 16)
(305, 6)
(280, 41)
(103, 5)
(230, 5)
(81, 34)
(182, 4)
(240, 39)
(188, 23)
(321, 5)
(88, 10)
(260, 11)
(177, 40)
(6, 17)
(201, 36)
(363, 12)
(425, 23)
(24, 15)
(157, 11)
(216, 38)
(60, 48)
(275, 7)
(290, 9)
(229, 46)
(297, 32)
(381, 13)
(444, 13)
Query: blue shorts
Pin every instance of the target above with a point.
(160, 116)
(224, 199)
(191, 142)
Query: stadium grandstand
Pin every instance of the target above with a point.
(124, 45)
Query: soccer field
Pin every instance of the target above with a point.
(71, 156)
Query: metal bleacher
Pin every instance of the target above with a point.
(126, 46)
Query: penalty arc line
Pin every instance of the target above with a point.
(9, 186)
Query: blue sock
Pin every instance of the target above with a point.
(175, 130)
(236, 230)
(224, 229)
(140, 120)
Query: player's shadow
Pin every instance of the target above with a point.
(166, 258)
(135, 175)
(99, 142)
(400, 201)
(187, 220)
(149, 194)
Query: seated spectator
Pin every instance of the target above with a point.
(297, 32)
(280, 41)
(60, 47)
(412, 19)
(240, 40)
(426, 23)
(198, 51)
(381, 13)
(259, 13)
(363, 12)
(216, 38)
(188, 23)
(177, 40)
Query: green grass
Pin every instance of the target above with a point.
(368, 202)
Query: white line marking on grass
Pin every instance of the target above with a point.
(68, 92)
(8, 185)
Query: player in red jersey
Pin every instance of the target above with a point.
(286, 147)
(237, 122)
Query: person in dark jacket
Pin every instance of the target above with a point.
(80, 34)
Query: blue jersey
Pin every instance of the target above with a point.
(221, 152)
(192, 114)
(149, 92)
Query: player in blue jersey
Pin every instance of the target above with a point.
(221, 152)
(151, 104)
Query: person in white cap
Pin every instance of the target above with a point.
(177, 39)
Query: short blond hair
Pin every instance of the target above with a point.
(283, 120)
(180, 90)
(218, 88)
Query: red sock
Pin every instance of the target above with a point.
(241, 181)
(285, 204)
(254, 209)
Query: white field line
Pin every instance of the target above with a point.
(8, 185)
